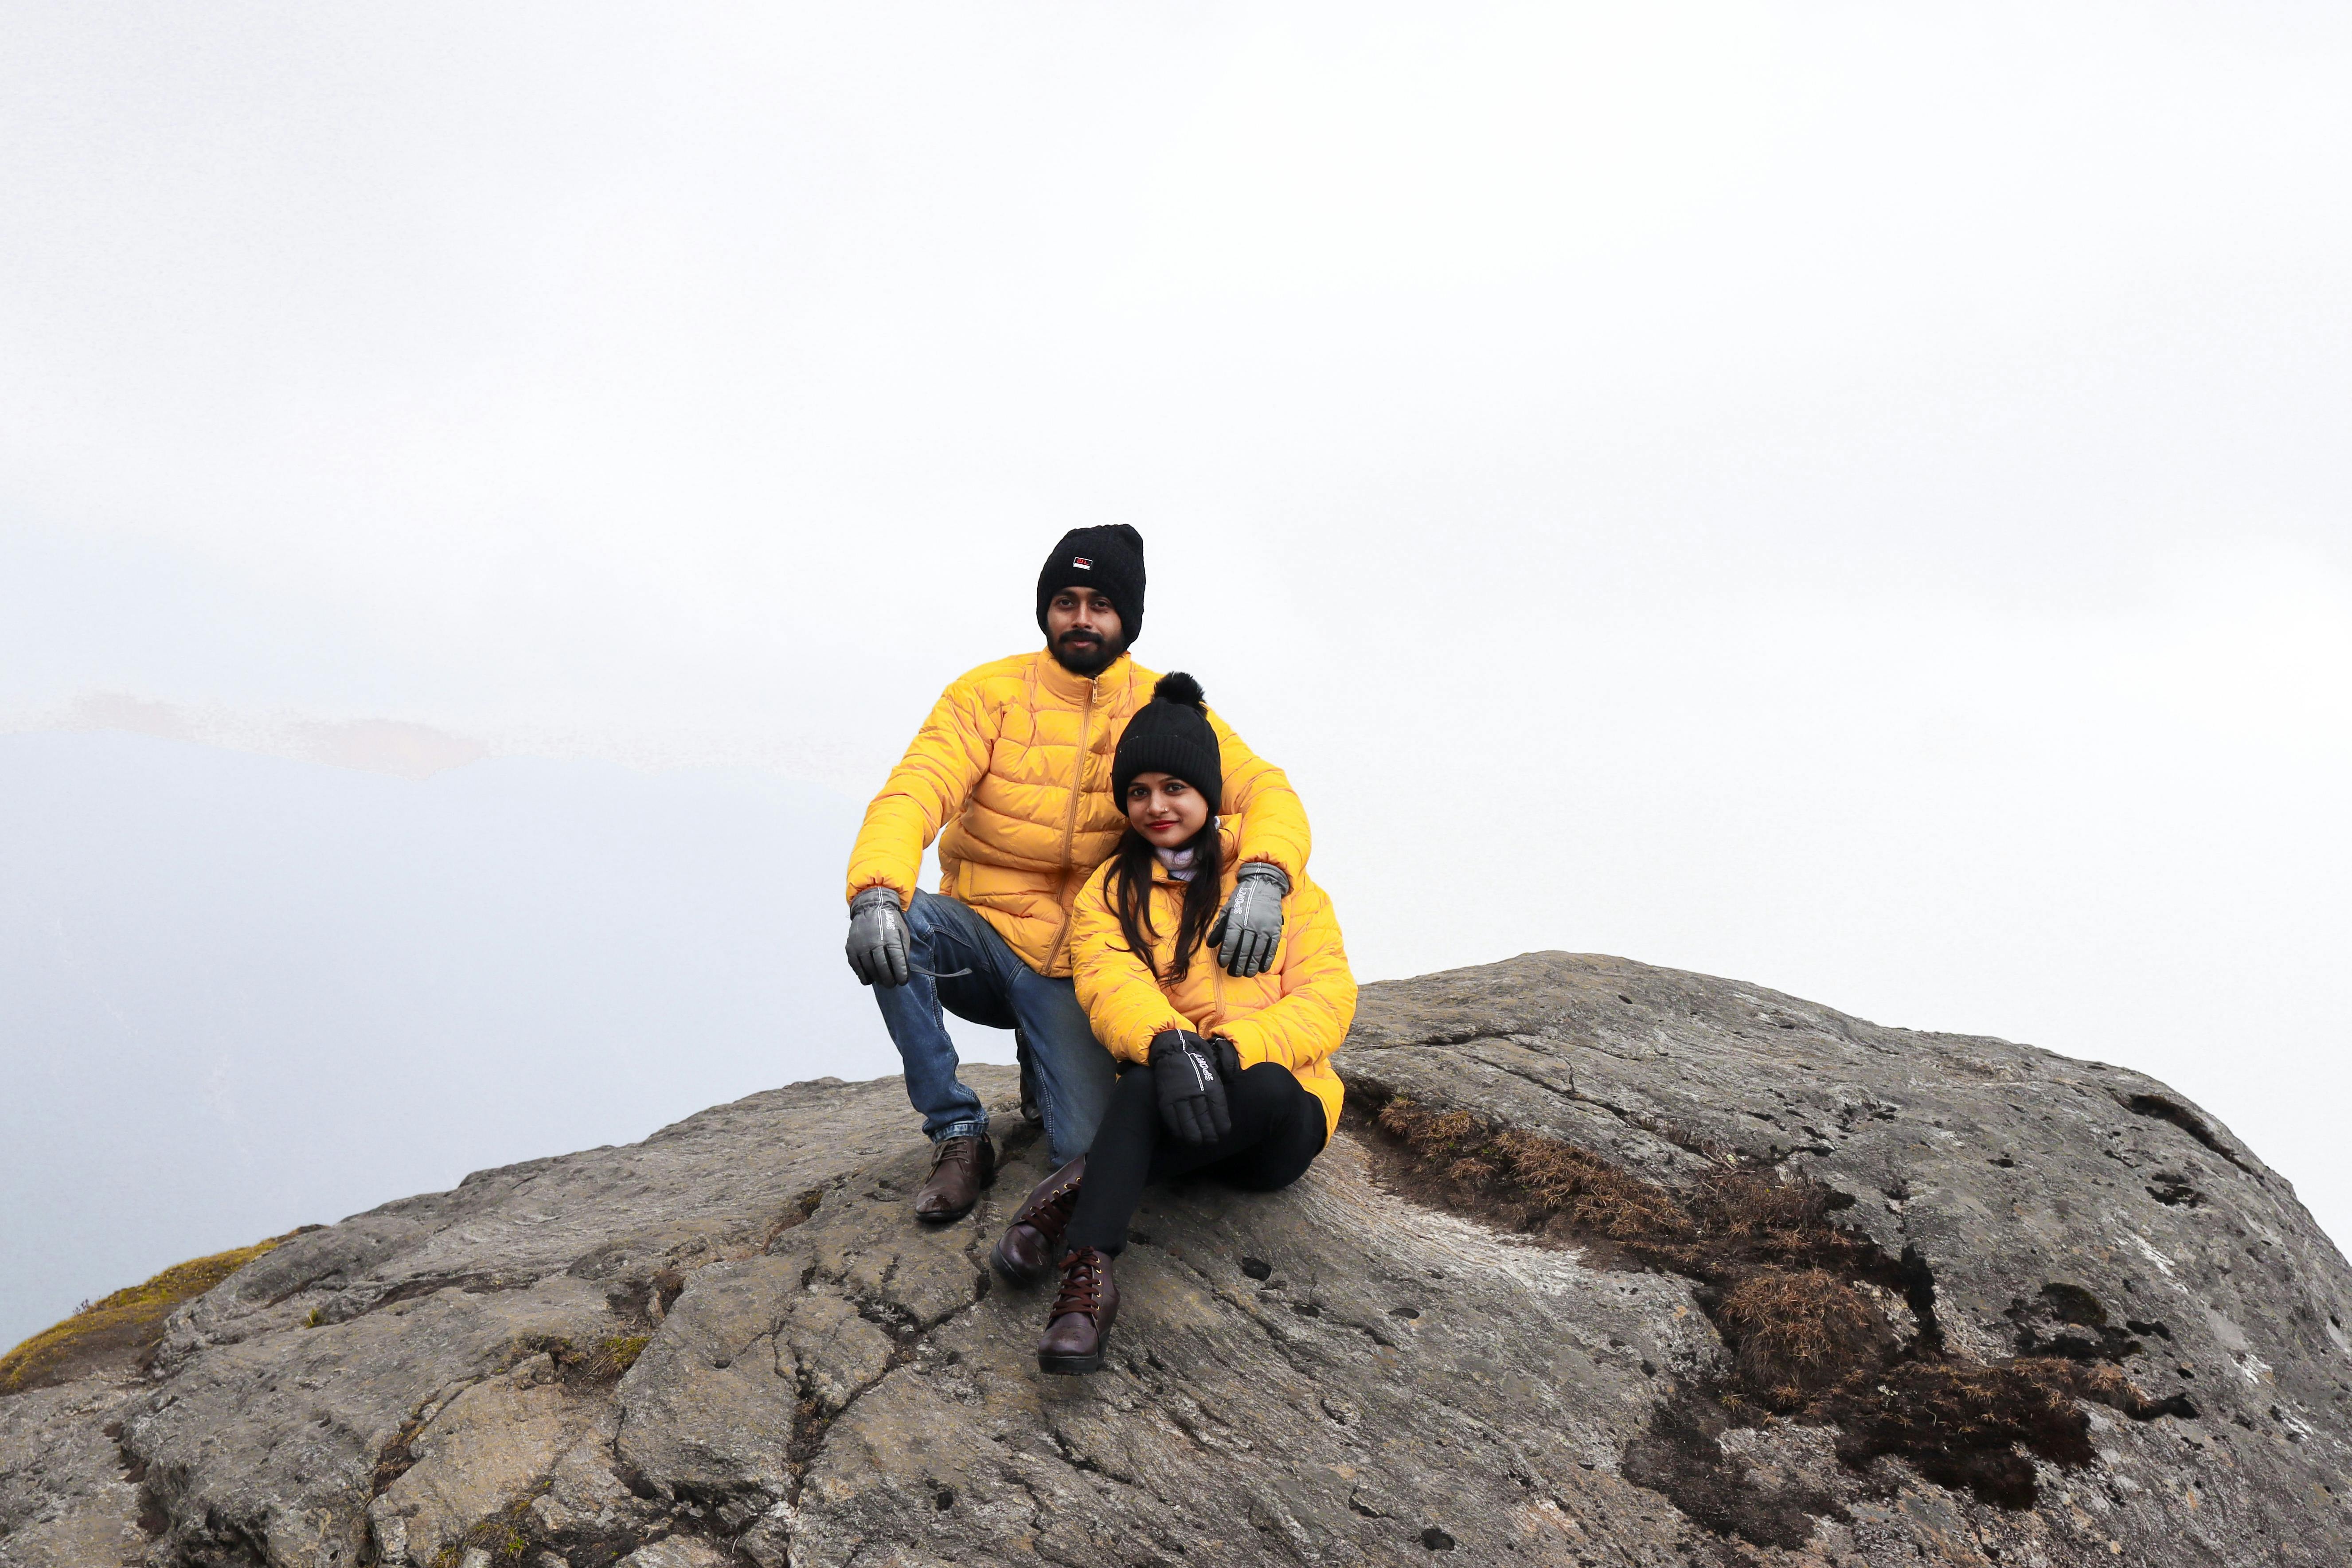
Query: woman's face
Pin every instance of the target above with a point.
(1165, 809)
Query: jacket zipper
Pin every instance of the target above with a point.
(1216, 973)
(1217, 989)
(1070, 823)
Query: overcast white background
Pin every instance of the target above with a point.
(1854, 497)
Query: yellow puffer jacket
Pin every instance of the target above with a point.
(1295, 1013)
(1014, 763)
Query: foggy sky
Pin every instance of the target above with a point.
(1853, 499)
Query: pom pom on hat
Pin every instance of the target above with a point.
(1178, 687)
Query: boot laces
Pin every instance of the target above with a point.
(1082, 1281)
(1051, 1215)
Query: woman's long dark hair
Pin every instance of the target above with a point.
(1130, 894)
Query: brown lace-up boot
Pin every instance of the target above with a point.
(1026, 1250)
(1078, 1327)
(959, 1168)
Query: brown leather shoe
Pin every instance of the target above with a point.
(959, 1168)
(1024, 1254)
(1078, 1327)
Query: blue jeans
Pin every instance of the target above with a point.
(1074, 1074)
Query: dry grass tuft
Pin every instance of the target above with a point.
(1756, 1219)
(1531, 1183)
(118, 1331)
(616, 1355)
(1796, 1333)
(1575, 1191)
(604, 1362)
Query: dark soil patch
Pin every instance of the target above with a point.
(1681, 1457)
(1803, 1304)
(399, 1457)
(792, 1218)
(1961, 1423)
(2068, 1320)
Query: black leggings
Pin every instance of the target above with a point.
(1278, 1129)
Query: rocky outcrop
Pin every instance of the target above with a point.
(1530, 1307)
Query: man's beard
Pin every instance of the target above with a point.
(1088, 659)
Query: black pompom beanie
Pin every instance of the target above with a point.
(1109, 559)
(1170, 734)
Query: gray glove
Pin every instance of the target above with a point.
(1249, 928)
(877, 938)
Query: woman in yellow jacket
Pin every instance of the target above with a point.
(1228, 1077)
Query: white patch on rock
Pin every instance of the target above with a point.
(2163, 1263)
(677, 1552)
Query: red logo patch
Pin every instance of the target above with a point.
(1082, 564)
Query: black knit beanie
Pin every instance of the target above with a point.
(1170, 734)
(1109, 559)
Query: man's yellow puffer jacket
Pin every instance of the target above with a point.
(1295, 1013)
(1014, 763)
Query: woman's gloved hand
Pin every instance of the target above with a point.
(1229, 1060)
(1191, 1091)
(877, 938)
(1249, 928)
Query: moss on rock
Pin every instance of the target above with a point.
(120, 1332)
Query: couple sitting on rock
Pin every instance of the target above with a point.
(1124, 884)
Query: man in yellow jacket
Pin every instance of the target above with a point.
(1011, 773)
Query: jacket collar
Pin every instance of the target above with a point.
(1073, 688)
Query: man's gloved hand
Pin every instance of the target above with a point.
(877, 938)
(1192, 1092)
(1249, 928)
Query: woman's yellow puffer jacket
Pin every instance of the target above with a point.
(1295, 1013)
(1014, 763)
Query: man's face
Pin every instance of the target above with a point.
(1082, 629)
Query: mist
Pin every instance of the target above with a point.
(1851, 500)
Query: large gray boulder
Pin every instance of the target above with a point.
(1511, 1315)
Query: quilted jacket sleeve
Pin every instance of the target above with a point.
(1319, 991)
(923, 793)
(1273, 820)
(1116, 986)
